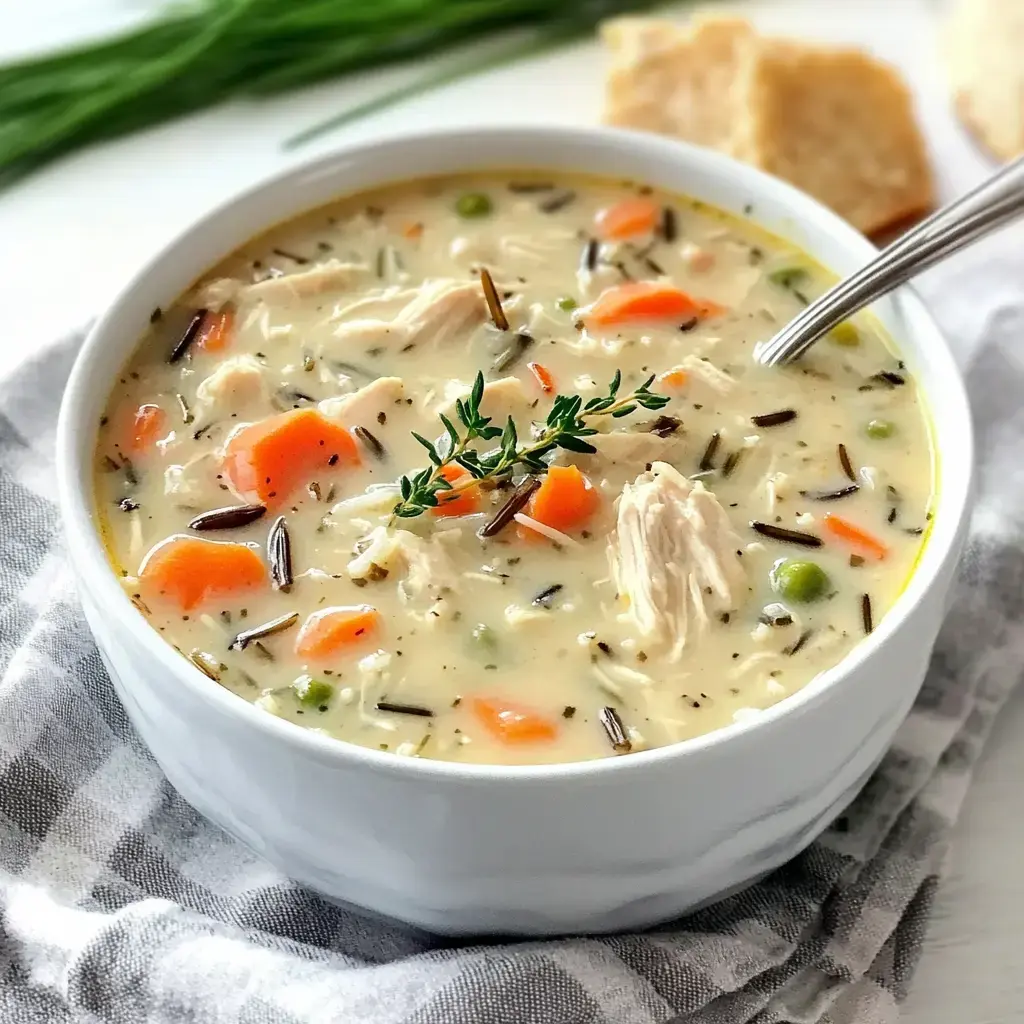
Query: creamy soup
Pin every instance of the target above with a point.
(481, 469)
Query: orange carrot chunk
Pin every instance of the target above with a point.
(646, 300)
(457, 503)
(566, 499)
(673, 380)
(513, 723)
(190, 571)
(215, 331)
(412, 231)
(328, 632)
(542, 375)
(267, 461)
(147, 427)
(855, 536)
(626, 219)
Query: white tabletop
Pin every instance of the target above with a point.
(72, 235)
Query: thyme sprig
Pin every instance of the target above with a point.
(567, 425)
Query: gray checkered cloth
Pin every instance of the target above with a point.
(119, 903)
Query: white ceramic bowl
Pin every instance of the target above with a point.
(595, 846)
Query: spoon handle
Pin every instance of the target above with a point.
(995, 202)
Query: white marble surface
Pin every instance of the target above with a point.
(71, 235)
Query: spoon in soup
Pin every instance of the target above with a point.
(992, 204)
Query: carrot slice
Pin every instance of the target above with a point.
(412, 231)
(326, 633)
(190, 571)
(461, 503)
(565, 499)
(855, 536)
(542, 375)
(267, 461)
(674, 380)
(630, 217)
(646, 300)
(513, 723)
(147, 427)
(215, 331)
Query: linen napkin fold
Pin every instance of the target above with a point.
(120, 904)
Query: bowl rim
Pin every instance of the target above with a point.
(87, 554)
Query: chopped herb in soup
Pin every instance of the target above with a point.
(482, 469)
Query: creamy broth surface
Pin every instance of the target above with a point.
(650, 598)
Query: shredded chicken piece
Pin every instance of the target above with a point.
(429, 574)
(616, 679)
(556, 536)
(329, 276)
(697, 260)
(381, 304)
(535, 248)
(674, 557)
(706, 372)
(376, 499)
(361, 407)
(778, 486)
(238, 381)
(192, 482)
(504, 397)
(619, 452)
(374, 674)
(436, 311)
(219, 292)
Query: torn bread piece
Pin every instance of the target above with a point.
(835, 122)
(686, 81)
(839, 125)
(985, 54)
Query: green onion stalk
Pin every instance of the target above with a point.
(199, 53)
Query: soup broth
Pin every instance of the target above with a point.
(308, 481)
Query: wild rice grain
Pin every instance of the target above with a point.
(615, 730)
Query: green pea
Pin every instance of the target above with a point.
(473, 204)
(312, 692)
(799, 581)
(566, 303)
(880, 429)
(845, 334)
(788, 277)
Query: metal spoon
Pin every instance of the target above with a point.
(994, 203)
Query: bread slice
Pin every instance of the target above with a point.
(839, 125)
(682, 81)
(985, 56)
(835, 122)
